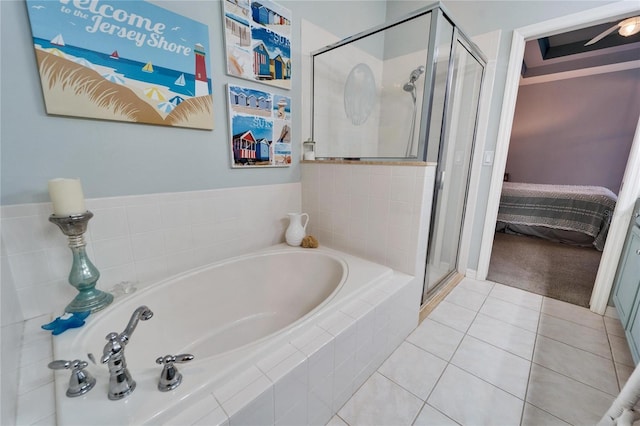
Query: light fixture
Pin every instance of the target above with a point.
(629, 26)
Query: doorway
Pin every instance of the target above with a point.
(631, 186)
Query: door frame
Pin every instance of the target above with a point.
(631, 182)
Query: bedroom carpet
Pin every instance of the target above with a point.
(556, 270)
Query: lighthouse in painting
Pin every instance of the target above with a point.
(202, 84)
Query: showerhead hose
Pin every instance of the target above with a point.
(410, 87)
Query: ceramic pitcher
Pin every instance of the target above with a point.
(296, 230)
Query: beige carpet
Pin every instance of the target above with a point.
(559, 271)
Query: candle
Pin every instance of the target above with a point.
(67, 197)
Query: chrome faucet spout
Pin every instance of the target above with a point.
(121, 383)
(142, 313)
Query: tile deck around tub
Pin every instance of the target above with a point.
(543, 362)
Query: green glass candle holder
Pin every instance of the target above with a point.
(84, 275)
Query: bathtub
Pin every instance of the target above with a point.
(283, 335)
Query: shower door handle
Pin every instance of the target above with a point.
(440, 181)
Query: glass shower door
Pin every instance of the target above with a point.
(454, 162)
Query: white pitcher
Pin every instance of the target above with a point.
(296, 230)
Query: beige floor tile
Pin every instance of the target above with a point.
(466, 298)
(505, 336)
(453, 316)
(580, 365)
(579, 336)
(565, 398)
(483, 287)
(614, 326)
(533, 416)
(429, 416)
(573, 313)
(415, 369)
(517, 296)
(620, 350)
(436, 338)
(471, 401)
(503, 369)
(511, 314)
(380, 402)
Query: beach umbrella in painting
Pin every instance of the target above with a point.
(84, 63)
(176, 100)
(166, 107)
(113, 78)
(154, 93)
(56, 52)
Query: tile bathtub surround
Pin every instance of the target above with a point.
(512, 350)
(140, 238)
(378, 212)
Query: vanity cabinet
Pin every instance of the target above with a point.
(626, 295)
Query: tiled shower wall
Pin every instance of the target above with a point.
(378, 212)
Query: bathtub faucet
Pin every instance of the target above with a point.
(121, 383)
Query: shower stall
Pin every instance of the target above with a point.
(406, 91)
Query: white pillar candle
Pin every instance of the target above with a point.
(67, 197)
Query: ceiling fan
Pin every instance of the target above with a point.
(626, 28)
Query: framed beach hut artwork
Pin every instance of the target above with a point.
(257, 41)
(260, 127)
(125, 60)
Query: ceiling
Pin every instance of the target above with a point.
(567, 52)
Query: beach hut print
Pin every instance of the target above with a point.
(238, 28)
(278, 68)
(262, 150)
(252, 101)
(242, 99)
(261, 61)
(154, 93)
(244, 147)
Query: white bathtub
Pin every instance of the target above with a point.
(255, 324)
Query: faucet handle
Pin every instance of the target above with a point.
(81, 381)
(170, 378)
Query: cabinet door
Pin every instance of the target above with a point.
(628, 277)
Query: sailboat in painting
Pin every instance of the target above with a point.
(148, 67)
(58, 40)
(180, 81)
(115, 55)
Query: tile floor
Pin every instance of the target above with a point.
(496, 355)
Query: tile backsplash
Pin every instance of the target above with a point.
(138, 238)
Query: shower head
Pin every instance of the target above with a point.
(415, 74)
(409, 87)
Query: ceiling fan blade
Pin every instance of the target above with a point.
(601, 35)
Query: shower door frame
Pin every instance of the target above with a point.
(459, 41)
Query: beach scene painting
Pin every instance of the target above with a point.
(122, 60)
(260, 126)
(257, 41)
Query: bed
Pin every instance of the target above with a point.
(571, 214)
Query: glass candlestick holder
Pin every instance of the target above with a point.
(84, 275)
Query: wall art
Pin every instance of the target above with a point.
(260, 127)
(122, 60)
(257, 40)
